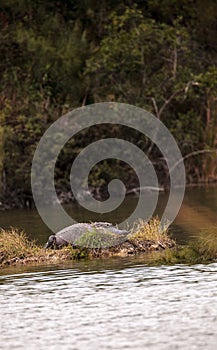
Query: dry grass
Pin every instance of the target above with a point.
(206, 243)
(15, 248)
(14, 244)
(151, 231)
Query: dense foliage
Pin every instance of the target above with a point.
(58, 55)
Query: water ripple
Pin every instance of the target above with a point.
(129, 307)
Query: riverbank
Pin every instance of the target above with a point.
(146, 237)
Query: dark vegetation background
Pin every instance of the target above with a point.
(58, 55)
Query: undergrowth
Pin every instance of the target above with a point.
(201, 249)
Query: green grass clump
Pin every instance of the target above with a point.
(179, 255)
(98, 239)
(202, 249)
(78, 253)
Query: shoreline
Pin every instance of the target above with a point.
(146, 237)
(157, 247)
(66, 254)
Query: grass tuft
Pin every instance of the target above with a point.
(15, 248)
(202, 249)
(15, 245)
(206, 244)
(151, 231)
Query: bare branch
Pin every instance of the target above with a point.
(145, 188)
(168, 101)
(195, 153)
(155, 107)
(175, 63)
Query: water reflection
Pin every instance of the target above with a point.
(198, 211)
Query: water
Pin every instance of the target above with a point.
(198, 211)
(121, 305)
(117, 303)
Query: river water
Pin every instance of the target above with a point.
(197, 212)
(118, 303)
